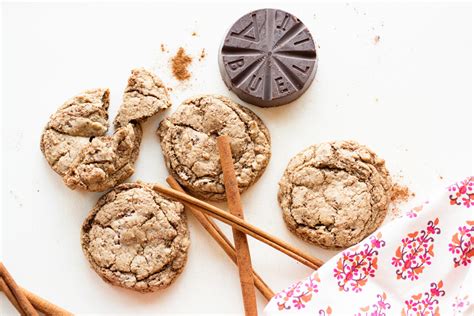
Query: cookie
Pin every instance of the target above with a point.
(105, 161)
(268, 58)
(74, 141)
(135, 238)
(145, 95)
(71, 127)
(335, 194)
(188, 141)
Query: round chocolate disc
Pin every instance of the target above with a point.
(268, 58)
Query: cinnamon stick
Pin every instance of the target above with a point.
(244, 261)
(23, 302)
(6, 290)
(243, 226)
(221, 239)
(44, 306)
(39, 303)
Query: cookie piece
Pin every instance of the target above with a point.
(335, 194)
(144, 96)
(135, 238)
(105, 161)
(70, 128)
(188, 141)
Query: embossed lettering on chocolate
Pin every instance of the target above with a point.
(268, 58)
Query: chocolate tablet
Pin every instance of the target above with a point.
(268, 58)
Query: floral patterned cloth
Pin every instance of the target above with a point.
(417, 264)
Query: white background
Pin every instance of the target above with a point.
(407, 97)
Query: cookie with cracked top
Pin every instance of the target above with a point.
(188, 142)
(335, 194)
(136, 238)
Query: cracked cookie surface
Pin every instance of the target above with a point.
(335, 194)
(69, 129)
(144, 96)
(188, 140)
(105, 161)
(135, 238)
(74, 141)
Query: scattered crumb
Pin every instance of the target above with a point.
(194, 34)
(179, 65)
(394, 212)
(163, 48)
(441, 177)
(376, 39)
(400, 193)
(170, 89)
(203, 54)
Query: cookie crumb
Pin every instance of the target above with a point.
(194, 34)
(376, 39)
(179, 65)
(441, 177)
(163, 48)
(203, 54)
(400, 193)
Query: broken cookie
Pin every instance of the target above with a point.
(136, 238)
(145, 95)
(335, 194)
(74, 141)
(71, 127)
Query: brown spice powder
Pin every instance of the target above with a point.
(400, 193)
(203, 54)
(179, 65)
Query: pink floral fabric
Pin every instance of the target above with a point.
(356, 265)
(417, 264)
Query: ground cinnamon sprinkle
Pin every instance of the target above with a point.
(203, 54)
(376, 39)
(179, 65)
(400, 193)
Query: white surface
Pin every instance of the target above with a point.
(407, 97)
